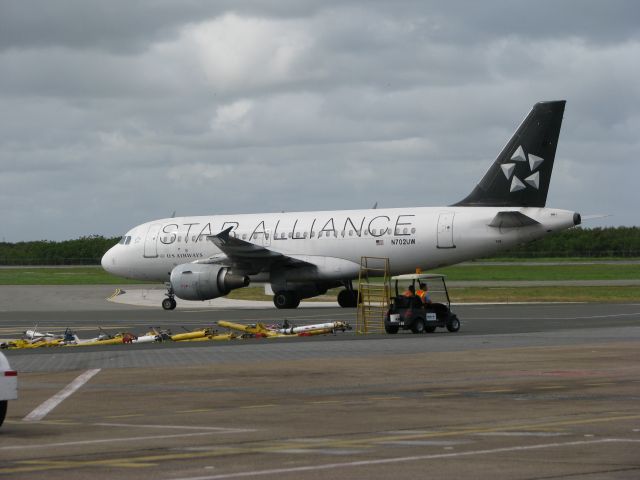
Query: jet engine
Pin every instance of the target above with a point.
(192, 281)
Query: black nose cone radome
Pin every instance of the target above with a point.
(577, 219)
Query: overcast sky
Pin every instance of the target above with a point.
(114, 113)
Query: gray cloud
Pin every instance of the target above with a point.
(120, 112)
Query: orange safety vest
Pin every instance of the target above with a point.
(421, 294)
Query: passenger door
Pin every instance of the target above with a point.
(445, 230)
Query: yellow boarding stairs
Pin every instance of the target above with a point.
(374, 287)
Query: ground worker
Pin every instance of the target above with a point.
(410, 291)
(423, 293)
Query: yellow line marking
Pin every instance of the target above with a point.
(126, 416)
(114, 294)
(446, 394)
(197, 410)
(58, 422)
(261, 406)
(150, 460)
(550, 387)
(599, 384)
(502, 390)
(323, 402)
(385, 398)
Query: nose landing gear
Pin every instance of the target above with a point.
(169, 303)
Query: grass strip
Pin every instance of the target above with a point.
(602, 294)
(97, 276)
(542, 272)
(61, 276)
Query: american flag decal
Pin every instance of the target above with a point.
(379, 242)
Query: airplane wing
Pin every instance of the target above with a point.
(246, 255)
(511, 220)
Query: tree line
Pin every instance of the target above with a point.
(584, 242)
(81, 251)
(620, 242)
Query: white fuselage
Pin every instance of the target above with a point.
(333, 241)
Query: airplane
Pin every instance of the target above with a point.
(303, 254)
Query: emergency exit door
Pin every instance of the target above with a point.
(445, 230)
(151, 241)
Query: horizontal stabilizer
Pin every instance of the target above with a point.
(511, 220)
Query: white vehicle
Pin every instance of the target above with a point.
(8, 385)
(303, 254)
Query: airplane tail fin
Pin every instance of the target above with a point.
(521, 174)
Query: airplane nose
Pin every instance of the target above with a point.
(108, 261)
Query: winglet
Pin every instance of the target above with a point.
(221, 238)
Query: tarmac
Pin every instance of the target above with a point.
(521, 392)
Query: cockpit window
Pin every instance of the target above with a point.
(125, 240)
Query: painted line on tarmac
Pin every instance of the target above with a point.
(43, 409)
(585, 317)
(110, 440)
(382, 461)
(182, 427)
(118, 291)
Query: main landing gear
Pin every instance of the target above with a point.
(169, 303)
(286, 299)
(348, 298)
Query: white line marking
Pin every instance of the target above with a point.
(41, 411)
(586, 317)
(382, 461)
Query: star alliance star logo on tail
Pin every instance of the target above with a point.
(517, 158)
